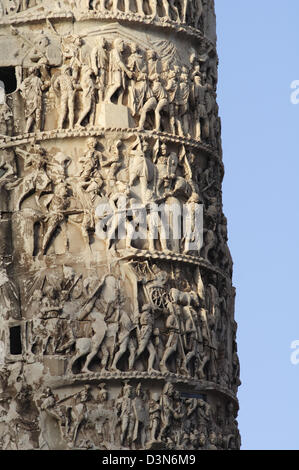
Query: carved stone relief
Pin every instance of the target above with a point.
(117, 330)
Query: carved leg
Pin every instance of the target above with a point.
(153, 5)
(49, 233)
(90, 357)
(169, 350)
(120, 98)
(132, 354)
(149, 105)
(140, 7)
(77, 356)
(119, 355)
(29, 124)
(164, 428)
(38, 119)
(111, 90)
(179, 126)
(85, 112)
(184, 11)
(197, 129)
(71, 106)
(152, 357)
(115, 6)
(63, 113)
(159, 108)
(200, 372)
(187, 359)
(127, 6)
(186, 125)
(105, 358)
(124, 427)
(176, 16)
(166, 8)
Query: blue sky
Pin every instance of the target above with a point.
(258, 47)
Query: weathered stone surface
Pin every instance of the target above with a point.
(116, 331)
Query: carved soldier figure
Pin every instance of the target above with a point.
(150, 102)
(173, 343)
(192, 229)
(112, 161)
(71, 49)
(5, 119)
(88, 97)
(56, 216)
(141, 414)
(125, 340)
(31, 90)
(198, 99)
(192, 338)
(168, 411)
(144, 336)
(65, 86)
(120, 226)
(161, 97)
(141, 167)
(100, 64)
(166, 166)
(155, 418)
(90, 162)
(182, 105)
(39, 56)
(126, 414)
(35, 181)
(171, 86)
(138, 83)
(79, 413)
(117, 72)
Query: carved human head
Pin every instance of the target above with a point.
(213, 438)
(66, 70)
(145, 145)
(33, 71)
(134, 47)
(43, 42)
(103, 393)
(169, 389)
(92, 143)
(163, 149)
(103, 43)
(202, 439)
(78, 41)
(128, 391)
(84, 394)
(119, 44)
(151, 54)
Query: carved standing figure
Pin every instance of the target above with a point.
(64, 86)
(31, 90)
(117, 72)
